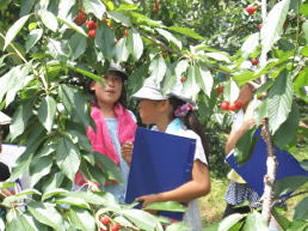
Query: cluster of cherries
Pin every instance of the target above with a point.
(105, 220)
(226, 106)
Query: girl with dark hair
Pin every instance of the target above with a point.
(115, 127)
(173, 114)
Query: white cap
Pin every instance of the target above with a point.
(150, 90)
(4, 119)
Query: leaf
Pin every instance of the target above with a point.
(158, 69)
(64, 7)
(120, 17)
(279, 101)
(304, 164)
(135, 44)
(121, 51)
(13, 31)
(287, 131)
(10, 199)
(273, 26)
(73, 201)
(255, 221)
(280, 218)
(53, 181)
(190, 86)
(169, 37)
(218, 56)
(49, 20)
(82, 219)
(68, 157)
(47, 112)
(300, 82)
(87, 73)
(186, 31)
(231, 91)
(53, 193)
(170, 81)
(108, 166)
(288, 184)
(250, 45)
(167, 206)
(204, 79)
(78, 45)
(46, 214)
(305, 29)
(96, 7)
(104, 40)
(181, 67)
(142, 219)
(244, 77)
(33, 37)
(39, 168)
(228, 222)
(26, 7)
(73, 26)
(178, 226)
(301, 212)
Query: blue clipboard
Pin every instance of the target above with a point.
(254, 170)
(160, 162)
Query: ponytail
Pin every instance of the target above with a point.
(190, 120)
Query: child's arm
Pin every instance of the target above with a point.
(197, 187)
(236, 135)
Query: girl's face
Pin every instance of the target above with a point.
(111, 92)
(149, 111)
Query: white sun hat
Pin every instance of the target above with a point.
(150, 90)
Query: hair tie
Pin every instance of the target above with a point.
(182, 110)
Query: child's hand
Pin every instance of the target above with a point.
(148, 199)
(126, 151)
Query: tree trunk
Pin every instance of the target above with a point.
(269, 178)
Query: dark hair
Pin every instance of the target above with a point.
(4, 172)
(123, 98)
(191, 122)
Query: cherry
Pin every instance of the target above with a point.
(232, 107)
(183, 79)
(238, 105)
(80, 18)
(91, 24)
(255, 62)
(109, 24)
(104, 220)
(126, 32)
(92, 33)
(260, 26)
(115, 227)
(250, 9)
(155, 9)
(225, 105)
(220, 89)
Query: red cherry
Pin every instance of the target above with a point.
(232, 107)
(155, 9)
(250, 9)
(104, 220)
(91, 24)
(92, 33)
(183, 79)
(255, 62)
(220, 89)
(115, 227)
(238, 105)
(225, 105)
(260, 26)
(80, 18)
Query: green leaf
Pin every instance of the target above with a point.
(47, 112)
(289, 184)
(135, 44)
(26, 7)
(33, 37)
(104, 40)
(298, 225)
(305, 29)
(186, 31)
(142, 19)
(120, 17)
(301, 212)
(39, 168)
(46, 214)
(158, 69)
(73, 201)
(279, 101)
(250, 45)
(121, 51)
(49, 20)
(169, 37)
(78, 45)
(167, 206)
(68, 157)
(53, 193)
(228, 222)
(273, 26)
(82, 219)
(231, 91)
(218, 56)
(178, 226)
(281, 219)
(190, 86)
(96, 7)
(53, 181)
(244, 77)
(169, 80)
(245, 146)
(142, 219)
(300, 82)
(287, 131)
(64, 7)
(304, 164)
(10, 199)
(73, 26)
(255, 221)
(181, 67)
(87, 73)
(108, 166)
(13, 31)
(204, 79)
